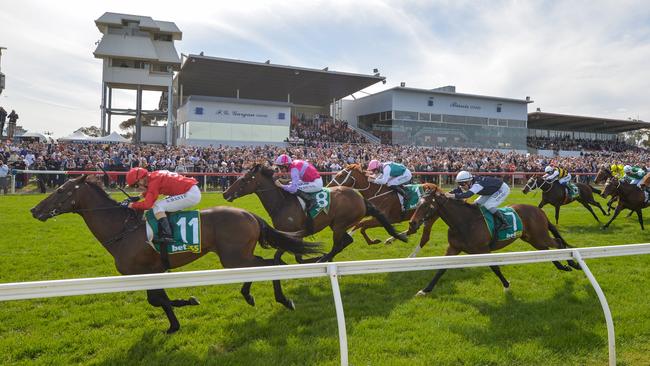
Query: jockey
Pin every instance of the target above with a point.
(633, 174)
(493, 192)
(561, 174)
(394, 175)
(182, 193)
(305, 179)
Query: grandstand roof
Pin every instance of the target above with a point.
(221, 77)
(565, 122)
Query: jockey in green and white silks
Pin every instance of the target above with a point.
(633, 174)
(562, 175)
(394, 175)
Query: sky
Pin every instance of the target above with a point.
(577, 57)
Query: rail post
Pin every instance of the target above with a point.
(13, 183)
(205, 183)
(340, 316)
(611, 340)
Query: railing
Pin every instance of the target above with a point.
(220, 181)
(85, 286)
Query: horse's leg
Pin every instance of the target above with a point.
(159, 298)
(425, 291)
(557, 214)
(367, 224)
(426, 234)
(586, 205)
(258, 261)
(341, 240)
(180, 303)
(639, 214)
(504, 282)
(542, 203)
(246, 293)
(592, 201)
(610, 203)
(617, 211)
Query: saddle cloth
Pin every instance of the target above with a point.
(186, 228)
(516, 226)
(415, 191)
(322, 198)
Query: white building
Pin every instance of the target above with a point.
(441, 117)
(138, 53)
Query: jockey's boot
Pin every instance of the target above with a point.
(400, 189)
(310, 203)
(500, 221)
(165, 235)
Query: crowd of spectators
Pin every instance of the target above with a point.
(327, 157)
(323, 130)
(569, 143)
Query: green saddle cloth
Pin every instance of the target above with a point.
(513, 219)
(186, 228)
(573, 190)
(415, 191)
(322, 199)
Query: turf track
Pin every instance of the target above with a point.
(548, 318)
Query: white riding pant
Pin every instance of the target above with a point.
(400, 179)
(311, 187)
(176, 203)
(565, 180)
(492, 202)
(636, 182)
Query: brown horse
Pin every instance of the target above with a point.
(385, 199)
(603, 174)
(347, 208)
(468, 232)
(629, 196)
(556, 195)
(231, 233)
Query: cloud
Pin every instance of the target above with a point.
(582, 57)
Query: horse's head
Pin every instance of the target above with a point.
(531, 184)
(426, 209)
(645, 181)
(249, 182)
(611, 185)
(351, 176)
(63, 200)
(603, 173)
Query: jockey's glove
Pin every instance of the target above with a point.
(125, 203)
(133, 199)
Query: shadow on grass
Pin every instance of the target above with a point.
(152, 349)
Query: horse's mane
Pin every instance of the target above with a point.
(355, 166)
(264, 170)
(95, 186)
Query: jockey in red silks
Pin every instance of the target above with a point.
(304, 179)
(182, 193)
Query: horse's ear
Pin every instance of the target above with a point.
(92, 178)
(82, 178)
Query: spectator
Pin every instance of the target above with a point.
(3, 119)
(13, 118)
(4, 176)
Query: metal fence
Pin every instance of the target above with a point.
(217, 182)
(85, 286)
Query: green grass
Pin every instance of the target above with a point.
(548, 318)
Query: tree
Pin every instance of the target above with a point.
(93, 131)
(129, 124)
(639, 138)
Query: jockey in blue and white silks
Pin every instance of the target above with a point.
(493, 192)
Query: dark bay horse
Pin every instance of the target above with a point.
(629, 196)
(231, 233)
(347, 208)
(603, 174)
(468, 232)
(556, 195)
(385, 199)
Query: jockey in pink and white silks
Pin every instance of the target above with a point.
(394, 175)
(304, 178)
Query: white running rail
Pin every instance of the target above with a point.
(85, 286)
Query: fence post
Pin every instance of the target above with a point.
(513, 179)
(611, 340)
(340, 316)
(205, 183)
(13, 183)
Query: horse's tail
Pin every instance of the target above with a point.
(594, 189)
(371, 210)
(290, 242)
(556, 234)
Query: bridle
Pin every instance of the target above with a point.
(349, 176)
(535, 185)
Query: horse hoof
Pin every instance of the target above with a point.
(389, 241)
(403, 238)
(194, 301)
(250, 300)
(172, 330)
(289, 305)
(421, 293)
(506, 289)
(375, 241)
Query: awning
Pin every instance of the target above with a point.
(220, 77)
(565, 122)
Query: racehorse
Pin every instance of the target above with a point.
(629, 196)
(347, 208)
(556, 195)
(231, 233)
(385, 199)
(603, 174)
(468, 232)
